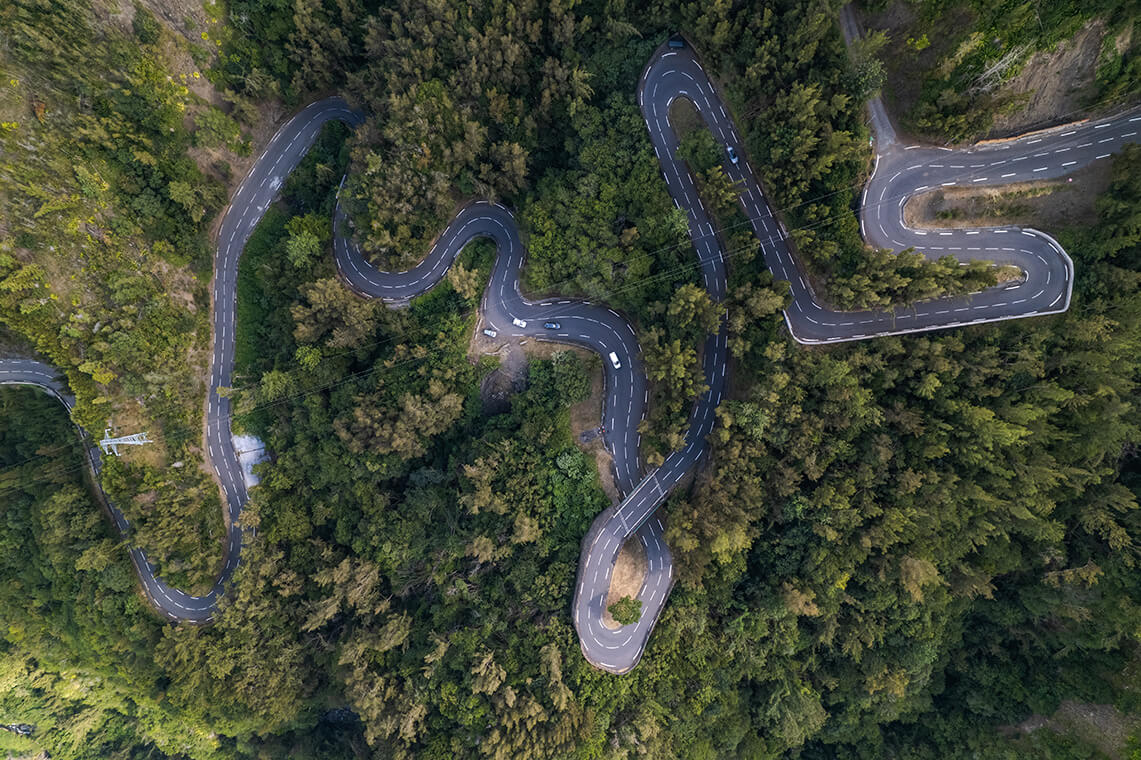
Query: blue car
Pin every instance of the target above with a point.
(551, 325)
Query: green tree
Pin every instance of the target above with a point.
(466, 281)
(301, 248)
(626, 611)
(333, 314)
(691, 307)
(700, 150)
(216, 129)
(185, 195)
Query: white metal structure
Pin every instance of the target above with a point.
(113, 444)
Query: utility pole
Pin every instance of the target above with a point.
(111, 445)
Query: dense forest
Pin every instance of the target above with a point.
(107, 190)
(899, 548)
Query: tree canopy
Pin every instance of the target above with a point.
(895, 548)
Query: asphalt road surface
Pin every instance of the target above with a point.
(900, 173)
(903, 171)
(253, 196)
(171, 602)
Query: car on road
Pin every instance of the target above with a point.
(519, 322)
(552, 325)
(490, 333)
(733, 158)
(676, 43)
(614, 360)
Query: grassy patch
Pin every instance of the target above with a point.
(19, 746)
(684, 117)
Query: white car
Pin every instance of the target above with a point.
(614, 360)
(519, 322)
(490, 333)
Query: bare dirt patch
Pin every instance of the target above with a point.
(629, 575)
(1055, 83)
(587, 414)
(605, 464)
(497, 388)
(1103, 726)
(1049, 203)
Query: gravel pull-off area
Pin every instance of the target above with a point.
(497, 388)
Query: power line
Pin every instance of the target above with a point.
(432, 352)
(725, 229)
(664, 274)
(679, 269)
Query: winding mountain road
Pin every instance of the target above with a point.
(900, 173)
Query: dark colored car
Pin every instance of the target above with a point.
(551, 325)
(677, 43)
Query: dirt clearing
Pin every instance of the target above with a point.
(1049, 203)
(587, 414)
(497, 388)
(629, 575)
(1104, 726)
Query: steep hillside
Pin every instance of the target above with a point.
(114, 159)
(958, 71)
